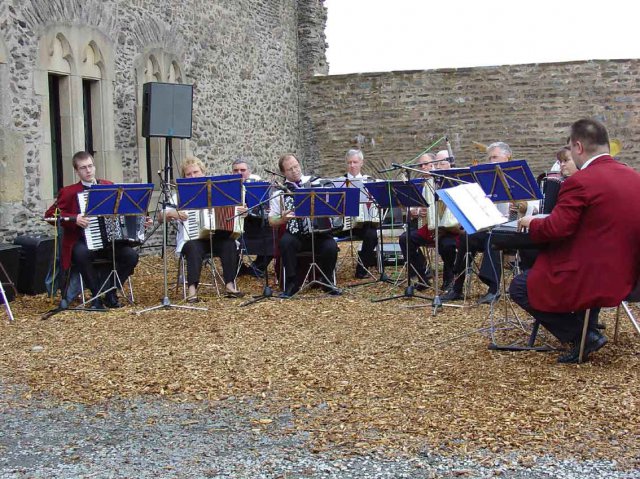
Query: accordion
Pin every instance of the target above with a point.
(103, 230)
(201, 224)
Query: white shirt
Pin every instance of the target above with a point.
(590, 160)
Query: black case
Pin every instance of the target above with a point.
(35, 260)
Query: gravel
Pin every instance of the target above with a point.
(155, 438)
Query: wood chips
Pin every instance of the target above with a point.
(357, 375)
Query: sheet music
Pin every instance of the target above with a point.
(478, 210)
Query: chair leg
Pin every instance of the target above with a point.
(617, 325)
(585, 328)
(633, 320)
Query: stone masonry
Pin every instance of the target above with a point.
(394, 116)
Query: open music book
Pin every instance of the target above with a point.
(471, 207)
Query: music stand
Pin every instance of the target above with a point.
(256, 197)
(406, 194)
(381, 193)
(112, 202)
(322, 203)
(364, 201)
(207, 193)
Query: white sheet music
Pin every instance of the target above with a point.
(478, 210)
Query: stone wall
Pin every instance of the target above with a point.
(396, 115)
(244, 58)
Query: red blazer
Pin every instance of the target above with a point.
(67, 202)
(593, 235)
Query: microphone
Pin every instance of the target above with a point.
(452, 159)
(274, 173)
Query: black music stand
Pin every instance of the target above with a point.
(405, 194)
(113, 202)
(257, 196)
(322, 203)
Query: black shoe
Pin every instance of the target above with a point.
(361, 274)
(452, 295)
(489, 298)
(601, 326)
(289, 291)
(593, 342)
(97, 305)
(111, 300)
(332, 291)
(446, 286)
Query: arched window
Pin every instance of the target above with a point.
(74, 78)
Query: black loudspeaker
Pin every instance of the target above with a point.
(35, 260)
(166, 110)
(10, 260)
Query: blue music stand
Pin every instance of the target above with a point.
(209, 192)
(111, 202)
(257, 195)
(407, 195)
(507, 181)
(448, 177)
(323, 203)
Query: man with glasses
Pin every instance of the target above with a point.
(74, 246)
(297, 235)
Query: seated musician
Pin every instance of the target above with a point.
(552, 185)
(194, 250)
(491, 266)
(592, 254)
(448, 229)
(74, 243)
(253, 224)
(365, 231)
(297, 235)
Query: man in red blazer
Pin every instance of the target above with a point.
(74, 246)
(592, 257)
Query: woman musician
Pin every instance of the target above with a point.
(194, 249)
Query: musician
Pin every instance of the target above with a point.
(491, 266)
(194, 250)
(592, 257)
(365, 231)
(552, 185)
(253, 226)
(74, 244)
(443, 159)
(296, 236)
(448, 230)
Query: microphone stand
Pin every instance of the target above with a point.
(166, 198)
(267, 292)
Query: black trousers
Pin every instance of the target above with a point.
(221, 245)
(82, 258)
(326, 253)
(567, 327)
(446, 250)
(368, 234)
(491, 266)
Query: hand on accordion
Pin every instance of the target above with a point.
(82, 221)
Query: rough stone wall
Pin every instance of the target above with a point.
(242, 56)
(396, 115)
